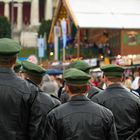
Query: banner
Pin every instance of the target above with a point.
(56, 42)
(41, 47)
(56, 31)
(64, 32)
(91, 62)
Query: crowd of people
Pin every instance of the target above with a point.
(130, 81)
(77, 105)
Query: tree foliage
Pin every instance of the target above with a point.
(45, 28)
(5, 27)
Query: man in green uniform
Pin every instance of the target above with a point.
(124, 105)
(79, 118)
(84, 66)
(34, 73)
(20, 112)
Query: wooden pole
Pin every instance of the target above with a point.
(12, 18)
(78, 47)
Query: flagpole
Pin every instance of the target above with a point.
(64, 54)
(64, 37)
(56, 39)
(78, 47)
(12, 18)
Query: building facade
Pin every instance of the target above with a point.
(26, 16)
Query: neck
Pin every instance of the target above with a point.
(7, 65)
(111, 83)
(75, 94)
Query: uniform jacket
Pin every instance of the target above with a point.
(125, 107)
(64, 97)
(93, 91)
(20, 113)
(80, 119)
(47, 103)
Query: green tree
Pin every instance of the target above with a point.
(5, 27)
(45, 28)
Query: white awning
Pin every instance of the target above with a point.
(105, 13)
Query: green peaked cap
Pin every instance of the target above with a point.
(34, 69)
(9, 47)
(81, 65)
(75, 76)
(112, 70)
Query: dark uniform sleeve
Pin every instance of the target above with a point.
(47, 104)
(32, 114)
(109, 124)
(55, 100)
(35, 118)
(50, 131)
(95, 99)
(112, 135)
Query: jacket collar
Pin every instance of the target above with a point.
(115, 85)
(7, 71)
(79, 98)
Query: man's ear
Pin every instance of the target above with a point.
(13, 61)
(122, 78)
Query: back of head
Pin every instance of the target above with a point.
(81, 65)
(113, 71)
(9, 47)
(8, 51)
(46, 78)
(76, 80)
(33, 71)
(50, 87)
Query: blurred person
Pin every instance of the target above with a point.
(85, 67)
(34, 73)
(79, 118)
(135, 81)
(94, 81)
(20, 112)
(62, 94)
(59, 80)
(128, 85)
(124, 105)
(45, 78)
(138, 90)
(128, 82)
(102, 85)
(50, 85)
(61, 84)
(54, 80)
